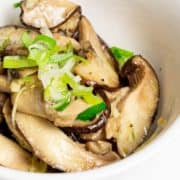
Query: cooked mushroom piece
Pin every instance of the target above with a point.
(99, 135)
(51, 14)
(30, 101)
(67, 118)
(13, 128)
(64, 40)
(99, 147)
(26, 72)
(3, 98)
(70, 27)
(13, 156)
(11, 43)
(52, 146)
(10, 40)
(102, 148)
(100, 69)
(4, 84)
(136, 111)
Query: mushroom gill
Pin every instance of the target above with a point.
(136, 111)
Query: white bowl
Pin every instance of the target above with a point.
(150, 28)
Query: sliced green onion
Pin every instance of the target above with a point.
(4, 44)
(61, 59)
(61, 105)
(50, 42)
(87, 94)
(26, 39)
(81, 91)
(121, 55)
(91, 112)
(16, 62)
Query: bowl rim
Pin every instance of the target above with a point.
(115, 168)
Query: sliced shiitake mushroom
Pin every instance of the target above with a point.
(7, 111)
(100, 69)
(70, 27)
(24, 72)
(52, 146)
(3, 98)
(67, 118)
(4, 84)
(137, 109)
(57, 15)
(30, 101)
(13, 156)
(11, 42)
(99, 147)
(102, 148)
(96, 136)
(64, 40)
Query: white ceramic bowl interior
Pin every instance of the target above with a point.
(150, 28)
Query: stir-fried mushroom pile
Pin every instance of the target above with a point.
(68, 101)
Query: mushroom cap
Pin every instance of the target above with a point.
(136, 111)
(57, 15)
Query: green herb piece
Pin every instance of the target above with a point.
(16, 62)
(121, 55)
(61, 105)
(49, 42)
(91, 112)
(81, 91)
(17, 4)
(61, 59)
(26, 39)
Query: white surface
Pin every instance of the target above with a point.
(151, 28)
(164, 165)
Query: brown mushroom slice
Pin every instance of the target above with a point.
(13, 156)
(10, 40)
(70, 27)
(99, 69)
(30, 101)
(52, 146)
(17, 134)
(24, 72)
(3, 98)
(64, 40)
(99, 147)
(45, 13)
(102, 148)
(137, 110)
(99, 135)
(2, 70)
(67, 118)
(4, 84)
